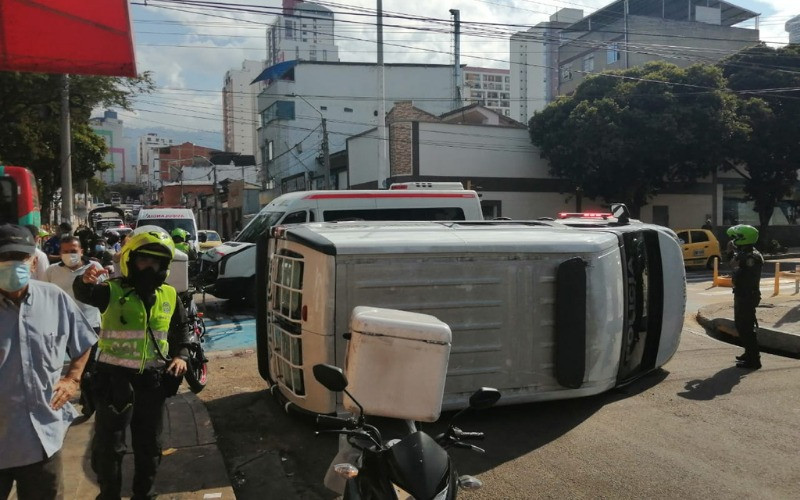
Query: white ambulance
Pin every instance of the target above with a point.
(168, 219)
(228, 271)
(540, 310)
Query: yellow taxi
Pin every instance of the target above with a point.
(208, 239)
(700, 247)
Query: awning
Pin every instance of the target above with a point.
(67, 36)
(275, 71)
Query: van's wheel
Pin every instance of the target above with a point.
(710, 262)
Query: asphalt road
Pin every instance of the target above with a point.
(699, 428)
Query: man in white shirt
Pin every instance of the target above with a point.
(41, 262)
(72, 265)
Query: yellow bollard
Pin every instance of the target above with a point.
(777, 289)
(717, 280)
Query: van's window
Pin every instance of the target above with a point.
(284, 330)
(295, 218)
(438, 213)
(699, 236)
(169, 224)
(258, 225)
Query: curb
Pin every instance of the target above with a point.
(712, 317)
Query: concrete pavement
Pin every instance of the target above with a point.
(192, 465)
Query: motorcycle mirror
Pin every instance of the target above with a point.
(332, 377)
(483, 398)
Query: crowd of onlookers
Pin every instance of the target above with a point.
(83, 246)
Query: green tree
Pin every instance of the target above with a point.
(768, 158)
(623, 135)
(30, 107)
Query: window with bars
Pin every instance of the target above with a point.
(285, 329)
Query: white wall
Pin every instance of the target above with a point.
(241, 113)
(362, 152)
(355, 88)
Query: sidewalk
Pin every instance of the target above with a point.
(778, 321)
(192, 465)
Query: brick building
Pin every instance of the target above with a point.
(173, 159)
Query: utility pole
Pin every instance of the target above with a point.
(383, 148)
(66, 153)
(457, 52)
(326, 157)
(216, 200)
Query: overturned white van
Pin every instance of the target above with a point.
(539, 310)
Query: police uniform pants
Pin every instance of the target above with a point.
(744, 317)
(125, 398)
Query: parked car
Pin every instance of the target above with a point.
(700, 247)
(208, 239)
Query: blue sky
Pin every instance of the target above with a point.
(188, 50)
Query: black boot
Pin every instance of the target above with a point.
(742, 357)
(749, 363)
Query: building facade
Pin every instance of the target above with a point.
(147, 151)
(240, 109)
(793, 27)
(627, 34)
(290, 129)
(304, 32)
(489, 87)
(111, 129)
(532, 54)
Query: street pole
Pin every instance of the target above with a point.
(216, 202)
(66, 154)
(326, 157)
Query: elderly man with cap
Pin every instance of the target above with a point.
(41, 324)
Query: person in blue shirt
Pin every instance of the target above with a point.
(41, 326)
(52, 247)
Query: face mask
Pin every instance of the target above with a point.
(14, 275)
(71, 259)
(145, 281)
(99, 248)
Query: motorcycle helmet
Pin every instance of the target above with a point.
(179, 235)
(151, 241)
(743, 235)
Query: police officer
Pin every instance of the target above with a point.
(142, 353)
(747, 263)
(180, 237)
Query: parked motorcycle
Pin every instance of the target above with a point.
(197, 370)
(416, 466)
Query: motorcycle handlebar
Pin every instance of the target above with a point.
(328, 422)
(470, 435)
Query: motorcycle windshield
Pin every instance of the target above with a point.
(418, 465)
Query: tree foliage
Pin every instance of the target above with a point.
(767, 81)
(30, 109)
(623, 135)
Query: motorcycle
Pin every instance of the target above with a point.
(416, 466)
(197, 370)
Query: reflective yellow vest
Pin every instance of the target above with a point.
(124, 340)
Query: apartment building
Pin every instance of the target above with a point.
(793, 27)
(304, 31)
(626, 34)
(489, 87)
(240, 109)
(111, 129)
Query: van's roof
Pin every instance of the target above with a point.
(342, 238)
(287, 198)
(165, 213)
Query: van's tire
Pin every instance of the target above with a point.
(710, 262)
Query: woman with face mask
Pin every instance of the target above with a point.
(41, 325)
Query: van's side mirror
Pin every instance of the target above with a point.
(332, 377)
(483, 398)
